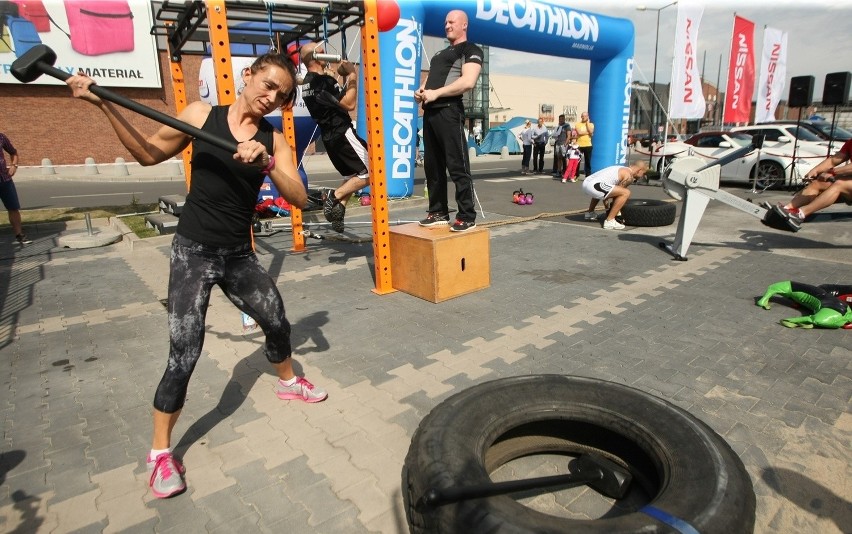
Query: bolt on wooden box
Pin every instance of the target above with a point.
(436, 264)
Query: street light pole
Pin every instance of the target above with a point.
(653, 121)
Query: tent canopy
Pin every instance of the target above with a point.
(505, 135)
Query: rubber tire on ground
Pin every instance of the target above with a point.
(644, 212)
(683, 468)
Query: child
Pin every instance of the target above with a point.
(572, 155)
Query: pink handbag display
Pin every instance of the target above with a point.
(99, 27)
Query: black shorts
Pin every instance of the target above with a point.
(9, 195)
(348, 153)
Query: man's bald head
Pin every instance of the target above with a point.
(455, 26)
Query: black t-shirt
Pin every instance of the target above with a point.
(446, 67)
(321, 94)
(223, 193)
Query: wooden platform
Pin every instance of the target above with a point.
(436, 264)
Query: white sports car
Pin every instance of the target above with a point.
(775, 166)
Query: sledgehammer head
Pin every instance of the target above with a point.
(614, 480)
(30, 66)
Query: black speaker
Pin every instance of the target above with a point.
(801, 91)
(836, 90)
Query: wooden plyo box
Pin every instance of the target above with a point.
(436, 264)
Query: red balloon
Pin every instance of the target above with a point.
(388, 14)
(293, 51)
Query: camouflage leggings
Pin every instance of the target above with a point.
(194, 270)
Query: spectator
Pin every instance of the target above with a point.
(560, 136)
(453, 72)
(526, 142)
(573, 156)
(539, 139)
(585, 130)
(610, 184)
(8, 191)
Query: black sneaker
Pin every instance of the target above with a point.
(333, 209)
(435, 219)
(462, 226)
(22, 239)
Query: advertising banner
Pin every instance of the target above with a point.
(110, 40)
(773, 72)
(687, 96)
(740, 73)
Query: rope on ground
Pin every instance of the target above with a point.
(543, 215)
(514, 220)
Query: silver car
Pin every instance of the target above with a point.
(772, 165)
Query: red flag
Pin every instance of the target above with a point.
(740, 73)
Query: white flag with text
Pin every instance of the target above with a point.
(687, 94)
(773, 72)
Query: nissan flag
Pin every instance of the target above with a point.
(687, 98)
(740, 73)
(773, 72)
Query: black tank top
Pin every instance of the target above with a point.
(223, 192)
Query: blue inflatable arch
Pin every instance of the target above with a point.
(544, 27)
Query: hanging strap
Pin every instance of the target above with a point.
(272, 45)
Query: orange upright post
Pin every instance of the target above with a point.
(289, 127)
(220, 44)
(179, 90)
(375, 139)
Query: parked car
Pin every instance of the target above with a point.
(781, 133)
(774, 168)
(821, 128)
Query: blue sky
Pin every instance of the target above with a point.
(819, 39)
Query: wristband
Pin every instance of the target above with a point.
(269, 166)
(831, 172)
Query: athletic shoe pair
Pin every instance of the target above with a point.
(440, 219)
(22, 239)
(165, 472)
(794, 217)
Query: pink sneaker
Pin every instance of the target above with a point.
(301, 390)
(166, 476)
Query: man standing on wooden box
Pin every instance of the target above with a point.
(452, 73)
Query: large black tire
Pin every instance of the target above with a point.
(682, 470)
(642, 212)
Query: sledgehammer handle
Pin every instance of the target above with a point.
(151, 113)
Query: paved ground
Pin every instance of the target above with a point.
(83, 344)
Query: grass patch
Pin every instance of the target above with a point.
(135, 222)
